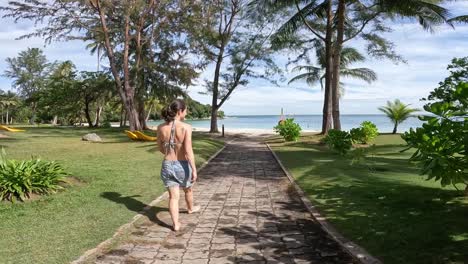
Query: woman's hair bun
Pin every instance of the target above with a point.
(169, 112)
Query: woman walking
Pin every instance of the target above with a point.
(178, 167)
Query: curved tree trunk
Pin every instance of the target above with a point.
(327, 102)
(395, 128)
(214, 101)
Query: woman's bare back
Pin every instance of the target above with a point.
(164, 134)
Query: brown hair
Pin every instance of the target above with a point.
(169, 112)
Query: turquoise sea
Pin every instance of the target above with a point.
(307, 122)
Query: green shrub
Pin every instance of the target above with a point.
(338, 141)
(19, 179)
(365, 133)
(288, 129)
(441, 142)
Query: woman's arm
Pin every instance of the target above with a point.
(189, 152)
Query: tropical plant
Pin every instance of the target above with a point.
(397, 112)
(338, 141)
(288, 129)
(442, 142)
(20, 179)
(365, 133)
(8, 101)
(337, 22)
(349, 56)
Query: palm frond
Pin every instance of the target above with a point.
(295, 22)
(459, 19)
(364, 74)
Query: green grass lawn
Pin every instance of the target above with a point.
(119, 178)
(382, 204)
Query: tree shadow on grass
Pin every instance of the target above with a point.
(137, 206)
(390, 212)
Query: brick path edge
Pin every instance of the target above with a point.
(122, 229)
(357, 252)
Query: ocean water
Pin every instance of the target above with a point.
(307, 122)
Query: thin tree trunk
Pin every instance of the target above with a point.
(395, 128)
(149, 112)
(98, 116)
(142, 113)
(121, 116)
(214, 102)
(32, 120)
(7, 115)
(87, 115)
(327, 113)
(337, 65)
(54, 120)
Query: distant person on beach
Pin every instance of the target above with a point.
(178, 167)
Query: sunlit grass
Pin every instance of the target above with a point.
(60, 227)
(382, 203)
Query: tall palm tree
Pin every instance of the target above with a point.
(397, 112)
(317, 73)
(330, 21)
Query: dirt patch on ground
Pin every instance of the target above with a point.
(3, 136)
(72, 181)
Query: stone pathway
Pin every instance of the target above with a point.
(251, 214)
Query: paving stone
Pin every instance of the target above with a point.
(249, 215)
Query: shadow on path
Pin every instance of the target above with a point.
(137, 206)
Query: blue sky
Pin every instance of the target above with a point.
(427, 55)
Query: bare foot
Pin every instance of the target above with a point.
(176, 227)
(195, 209)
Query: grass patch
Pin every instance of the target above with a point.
(390, 210)
(117, 178)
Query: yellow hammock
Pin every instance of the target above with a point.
(9, 129)
(138, 135)
(144, 137)
(131, 135)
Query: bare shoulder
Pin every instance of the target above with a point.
(187, 126)
(161, 125)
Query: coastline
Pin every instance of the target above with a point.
(249, 131)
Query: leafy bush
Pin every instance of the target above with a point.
(365, 133)
(19, 179)
(288, 129)
(441, 142)
(339, 141)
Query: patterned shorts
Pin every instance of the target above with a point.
(176, 173)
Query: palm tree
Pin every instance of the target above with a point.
(6, 101)
(397, 112)
(349, 56)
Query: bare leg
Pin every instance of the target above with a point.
(189, 200)
(174, 206)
